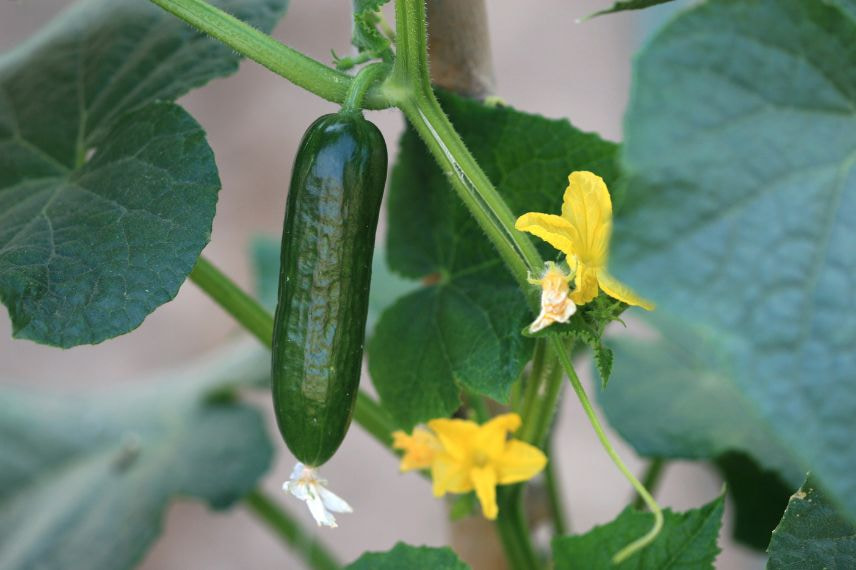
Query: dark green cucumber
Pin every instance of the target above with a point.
(325, 273)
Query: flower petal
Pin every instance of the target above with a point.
(585, 284)
(491, 437)
(333, 502)
(587, 207)
(321, 515)
(555, 230)
(484, 480)
(519, 462)
(449, 475)
(618, 290)
(419, 449)
(455, 436)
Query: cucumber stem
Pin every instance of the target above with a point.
(360, 85)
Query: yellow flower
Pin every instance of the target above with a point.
(556, 303)
(482, 457)
(419, 449)
(582, 233)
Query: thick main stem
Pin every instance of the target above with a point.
(258, 321)
(410, 88)
(290, 532)
(559, 347)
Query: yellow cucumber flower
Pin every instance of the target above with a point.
(582, 233)
(419, 449)
(481, 457)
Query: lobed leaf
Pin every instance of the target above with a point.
(85, 479)
(741, 208)
(687, 541)
(106, 197)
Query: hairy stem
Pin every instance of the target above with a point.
(410, 89)
(290, 532)
(643, 541)
(361, 84)
(258, 321)
(298, 68)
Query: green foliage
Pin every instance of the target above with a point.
(410, 557)
(740, 207)
(463, 327)
(759, 497)
(688, 541)
(670, 399)
(85, 479)
(812, 535)
(90, 245)
(624, 5)
(366, 37)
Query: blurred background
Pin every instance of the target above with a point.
(545, 62)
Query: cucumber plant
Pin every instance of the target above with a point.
(731, 203)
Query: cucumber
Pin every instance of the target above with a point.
(325, 273)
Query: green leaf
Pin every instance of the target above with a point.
(85, 479)
(628, 5)
(463, 327)
(671, 398)
(759, 497)
(741, 204)
(812, 534)
(386, 286)
(366, 37)
(106, 199)
(410, 557)
(687, 541)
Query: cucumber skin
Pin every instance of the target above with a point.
(325, 274)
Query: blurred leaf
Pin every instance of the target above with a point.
(741, 207)
(92, 243)
(628, 5)
(85, 479)
(688, 541)
(759, 497)
(409, 557)
(386, 286)
(812, 535)
(463, 327)
(670, 398)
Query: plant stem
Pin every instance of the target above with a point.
(246, 310)
(650, 480)
(410, 88)
(361, 83)
(258, 321)
(298, 68)
(542, 392)
(513, 530)
(643, 541)
(554, 496)
(290, 532)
